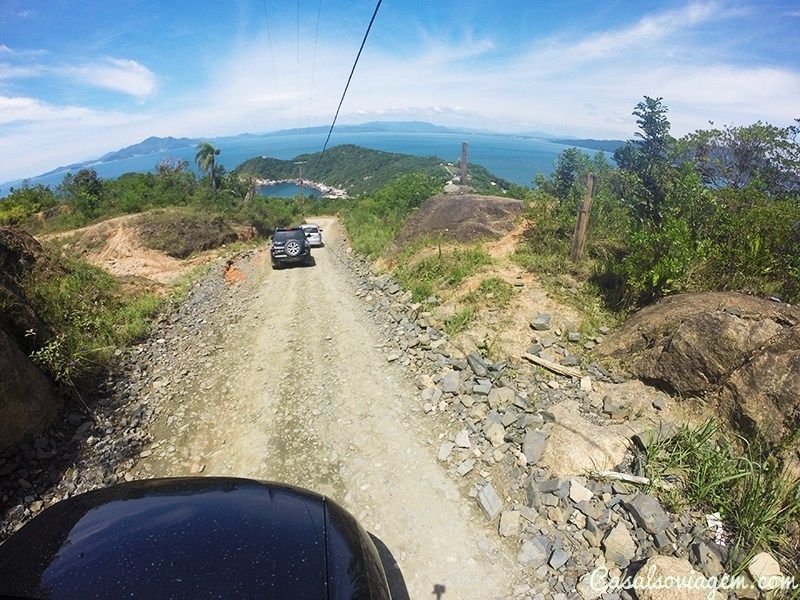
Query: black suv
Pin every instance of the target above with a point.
(290, 246)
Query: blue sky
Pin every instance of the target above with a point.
(80, 78)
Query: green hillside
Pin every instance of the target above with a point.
(362, 170)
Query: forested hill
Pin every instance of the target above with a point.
(362, 170)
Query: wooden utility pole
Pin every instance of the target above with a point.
(463, 179)
(300, 164)
(579, 238)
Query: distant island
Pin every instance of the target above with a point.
(361, 170)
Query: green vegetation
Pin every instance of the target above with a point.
(459, 321)
(88, 311)
(364, 171)
(699, 466)
(442, 270)
(492, 290)
(199, 211)
(206, 160)
(715, 210)
(373, 221)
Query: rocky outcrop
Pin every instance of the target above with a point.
(738, 352)
(28, 400)
(463, 218)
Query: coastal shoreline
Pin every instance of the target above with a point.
(327, 191)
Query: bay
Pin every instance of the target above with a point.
(514, 158)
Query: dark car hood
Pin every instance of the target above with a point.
(191, 538)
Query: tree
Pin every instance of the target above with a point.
(760, 155)
(569, 177)
(206, 161)
(648, 158)
(84, 191)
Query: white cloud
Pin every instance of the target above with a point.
(8, 71)
(460, 82)
(37, 136)
(120, 75)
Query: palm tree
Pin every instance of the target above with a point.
(206, 162)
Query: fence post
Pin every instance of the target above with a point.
(579, 237)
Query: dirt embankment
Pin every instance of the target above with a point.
(160, 245)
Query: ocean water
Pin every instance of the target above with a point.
(287, 190)
(514, 158)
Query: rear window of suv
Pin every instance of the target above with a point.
(281, 236)
(311, 229)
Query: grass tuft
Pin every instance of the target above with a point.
(440, 271)
(751, 489)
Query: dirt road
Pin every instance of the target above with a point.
(301, 392)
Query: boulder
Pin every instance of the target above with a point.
(740, 353)
(463, 217)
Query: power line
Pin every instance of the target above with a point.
(271, 55)
(297, 5)
(313, 66)
(353, 70)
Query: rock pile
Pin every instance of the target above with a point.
(531, 446)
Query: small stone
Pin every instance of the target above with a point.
(648, 513)
(534, 551)
(477, 364)
(586, 384)
(558, 558)
(533, 446)
(765, 571)
(466, 466)
(482, 389)
(445, 450)
(619, 546)
(574, 336)
(578, 492)
(489, 501)
(462, 439)
(509, 523)
(451, 382)
(541, 322)
(502, 396)
(570, 360)
(495, 433)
